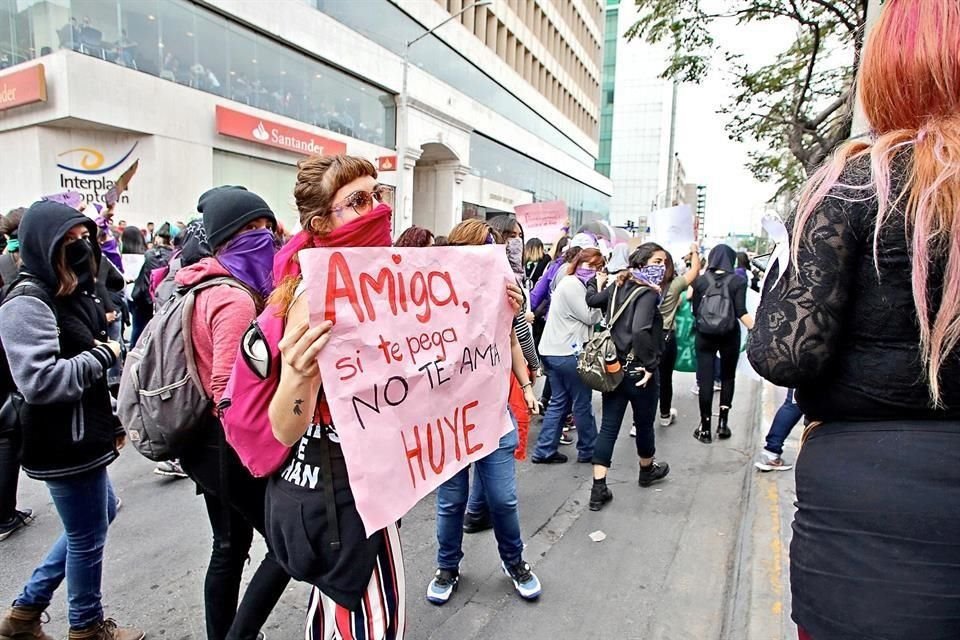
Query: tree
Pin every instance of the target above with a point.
(797, 108)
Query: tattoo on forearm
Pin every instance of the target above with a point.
(297, 411)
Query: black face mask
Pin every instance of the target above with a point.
(78, 255)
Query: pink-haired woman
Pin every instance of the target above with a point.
(864, 323)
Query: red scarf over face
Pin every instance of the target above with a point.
(371, 230)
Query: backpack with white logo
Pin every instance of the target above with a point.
(245, 406)
(716, 315)
(161, 401)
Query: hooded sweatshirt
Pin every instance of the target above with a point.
(221, 316)
(55, 362)
(720, 263)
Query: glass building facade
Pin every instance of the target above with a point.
(611, 35)
(185, 43)
(490, 159)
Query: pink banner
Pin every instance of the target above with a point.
(417, 367)
(543, 220)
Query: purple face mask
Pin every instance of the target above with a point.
(249, 259)
(585, 274)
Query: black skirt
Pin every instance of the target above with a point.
(876, 545)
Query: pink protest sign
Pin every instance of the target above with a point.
(543, 220)
(417, 368)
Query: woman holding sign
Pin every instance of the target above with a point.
(358, 585)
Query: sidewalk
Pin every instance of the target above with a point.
(761, 608)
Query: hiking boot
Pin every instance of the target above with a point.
(654, 473)
(723, 429)
(477, 522)
(702, 432)
(106, 630)
(600, 495)
(442, 586)
(23, 623)
(20, 519)
(524, 579)
(170, 469)
(669, 419)
(769, 461)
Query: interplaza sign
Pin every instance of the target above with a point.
(237, 124)
(23, 87)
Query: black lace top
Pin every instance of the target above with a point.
(847, 339)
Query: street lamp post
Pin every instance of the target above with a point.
(403, 120)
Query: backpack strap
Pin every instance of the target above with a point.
(329, 493)
(28, 285)
(623, 307)
(187, 318)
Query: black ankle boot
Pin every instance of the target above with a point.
(703, 431)
(723, 429)
(600, 494)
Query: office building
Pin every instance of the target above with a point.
(501, 104)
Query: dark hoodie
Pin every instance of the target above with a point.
(55, 362)
(721, 263)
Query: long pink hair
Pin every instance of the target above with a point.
(909, 87)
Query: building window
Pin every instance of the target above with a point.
(184, 43)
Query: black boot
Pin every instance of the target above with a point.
(600, 494)
(703, 431)
(477, 522)
(723, 429)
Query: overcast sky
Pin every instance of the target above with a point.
(735, 200)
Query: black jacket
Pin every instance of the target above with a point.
(67, 417)
(843, 335)
(639, 328)
(155, 258)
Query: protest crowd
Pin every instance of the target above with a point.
(206, 346)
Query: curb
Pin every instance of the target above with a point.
(758, 603)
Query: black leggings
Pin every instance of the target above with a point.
(728, 346)
(667, 362)
(9, 473)
(233, 525)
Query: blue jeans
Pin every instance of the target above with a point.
(568, 391)
(498, 473)
(86, 505)
(788, 415)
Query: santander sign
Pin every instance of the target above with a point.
(23, 87)
(237, 124)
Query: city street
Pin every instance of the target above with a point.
(688, 558)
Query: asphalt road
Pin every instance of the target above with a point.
(665, 570)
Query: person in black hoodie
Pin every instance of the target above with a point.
(638, 336)
(720, 274)
(54, 334)
(156, 257)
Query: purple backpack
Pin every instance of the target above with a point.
(244, 409)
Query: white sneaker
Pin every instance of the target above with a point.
(633, 432)
(768, 461)
(669, 419)
(695, 389)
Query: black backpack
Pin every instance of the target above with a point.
(716, 315)
(10, 398)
